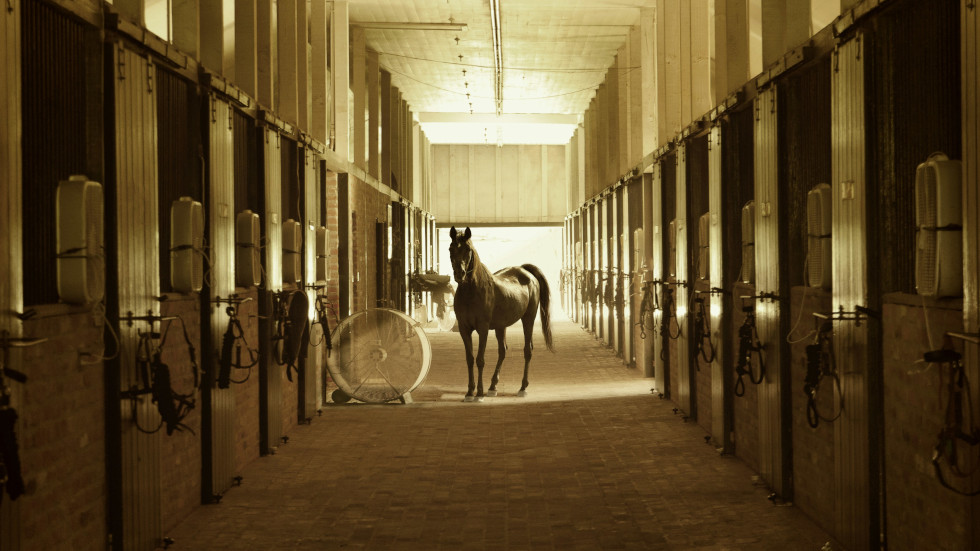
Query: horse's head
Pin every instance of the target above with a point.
(461, 254)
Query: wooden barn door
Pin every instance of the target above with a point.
(220, 420)
(11, 276)
(270, 376)
(661, 377)
(855, 523)
(721, 395)
(312, 364)
(971, 207)
(773, 398)
(686, 395)
(137, 285)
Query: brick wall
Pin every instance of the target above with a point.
(180, 452)
(746, 408)
(813, 449)
(61, 431)
(921, 514)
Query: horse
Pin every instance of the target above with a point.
(495, 301)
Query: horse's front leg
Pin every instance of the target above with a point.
(482, 332)
(467, 335)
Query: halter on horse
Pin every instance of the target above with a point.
(496, 301)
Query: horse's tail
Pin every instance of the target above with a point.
(545, 304)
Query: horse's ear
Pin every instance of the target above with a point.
(467, 235)
(452, 233)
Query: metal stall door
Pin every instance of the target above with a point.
(313, 362)
(221, 218)
(578, 266)
(661, 376)
(612, 269)
(138, 272)
(644, 311)
(627, 259)
(686, 396)
(11, 276)
(599, 268)
(856, 526)
(270, 379)
(773, 417)
(588, 244)
(721, 397)
(971, 206)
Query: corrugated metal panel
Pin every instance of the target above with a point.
(138, 271)
(661, 372)
(11, 274)
(611, 242)
(599, 226)
(685, 397)
(55, 102)
(970, 60)
(221, 227)
(854, 522)
(767, 235)
(739, 177)
(721, 396)
(626, 281)
(271, 378)
(248, 154)
(311, 216)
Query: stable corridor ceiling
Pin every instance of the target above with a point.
(552, 54)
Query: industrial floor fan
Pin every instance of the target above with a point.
(378, 355)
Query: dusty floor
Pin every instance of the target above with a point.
(588, 460)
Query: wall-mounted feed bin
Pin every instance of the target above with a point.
(939, 227)
(186, 245)
(248, 255)
(819, 220)
(292, 249)
(80, 244)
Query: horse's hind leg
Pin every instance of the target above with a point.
(501, 353)
(482, 348)
(528, 322)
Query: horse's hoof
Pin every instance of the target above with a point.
(491, 393)
(522, 394)
(479, 398)
(468, 399)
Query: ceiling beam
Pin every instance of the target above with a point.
(486, 118)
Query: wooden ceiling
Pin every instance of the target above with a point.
(555, 53)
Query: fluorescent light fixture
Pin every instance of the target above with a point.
(408, 26)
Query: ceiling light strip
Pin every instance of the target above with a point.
(498, 61)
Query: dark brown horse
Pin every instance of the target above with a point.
(486, 301)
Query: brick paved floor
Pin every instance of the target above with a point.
(589, 460)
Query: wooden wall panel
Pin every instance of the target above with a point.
(221, 238)
(772, 460)
(138, 276)
(485, 190)
(11, 276)
(856, 526)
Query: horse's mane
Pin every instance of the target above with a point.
(482, 278)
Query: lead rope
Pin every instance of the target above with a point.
(702, 333)
(957, 430)
(820, 363)
(748, 333)
(233, 334)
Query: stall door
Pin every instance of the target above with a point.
(773, 419)
(721, 396)
(138, 270)
(221, 238)
(316, 354)
(685, 385)
(661, 377)
(855, 525)
(270, 382)
(11, 280)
